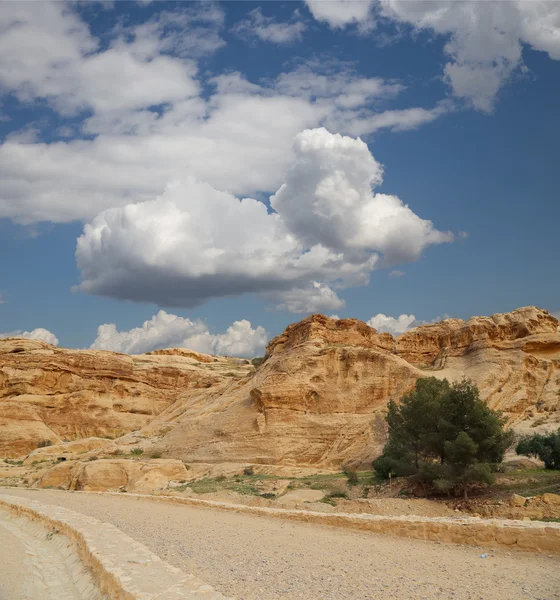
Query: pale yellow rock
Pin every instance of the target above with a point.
(115, 474)
(517, 500)
(551, 499)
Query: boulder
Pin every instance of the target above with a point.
(553, 499)
(144, 476)
(517, 500)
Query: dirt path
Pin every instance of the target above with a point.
(252, 557)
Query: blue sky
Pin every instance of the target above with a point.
(239, 165)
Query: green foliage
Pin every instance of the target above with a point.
(155, 455)
(137, 451)
(257, 361)
(248, 471)
(546, 447)
(445, 436)
(44, 444)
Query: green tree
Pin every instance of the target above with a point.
(445, 436)
(546, 447)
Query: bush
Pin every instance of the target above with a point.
(44, 444)
(137, 451)
(545, 447)
(445, 436)
(337, 495)
(248, 471)
(257, 361)
(351, 475)
(155, 455)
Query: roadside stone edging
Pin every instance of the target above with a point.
(122, 568)
(509, 534)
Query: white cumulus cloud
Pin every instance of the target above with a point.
(392, 325)
(165, 330)
(36, 334)
(485, 39)
(329, 230)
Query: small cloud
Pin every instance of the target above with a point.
(334, 317)
(463, 235)
(37, 334)
(165, 330)
(3, 299)
(394, 274)
(392, 325)
(318, 297)
(266, 29)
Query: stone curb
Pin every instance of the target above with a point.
(122, 568)
(529, 536)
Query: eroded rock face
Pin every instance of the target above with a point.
(452, 337)
(318, 399)
(50, 394)
(320, 396)
(514, 358)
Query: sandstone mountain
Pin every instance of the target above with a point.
(317, 400)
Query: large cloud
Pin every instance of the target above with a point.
(195, 242)
(36, 334)
(48, 52)
(143, 113)
(485, 39)
(166, 330)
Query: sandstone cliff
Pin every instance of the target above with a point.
(53, 394)
(317, 400)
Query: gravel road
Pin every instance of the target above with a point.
(251, 557)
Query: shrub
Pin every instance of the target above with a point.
(137, 451)
(155, 455)
(44, 444)
(257, 361)
(248, 471)
(546, 447)
(221, 478)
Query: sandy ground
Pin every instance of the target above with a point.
(251, 557)
(12, 567)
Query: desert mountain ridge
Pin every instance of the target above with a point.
(317, 401)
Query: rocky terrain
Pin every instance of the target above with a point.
(317, 401)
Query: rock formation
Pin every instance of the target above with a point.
(317, 400)
(50, 394)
